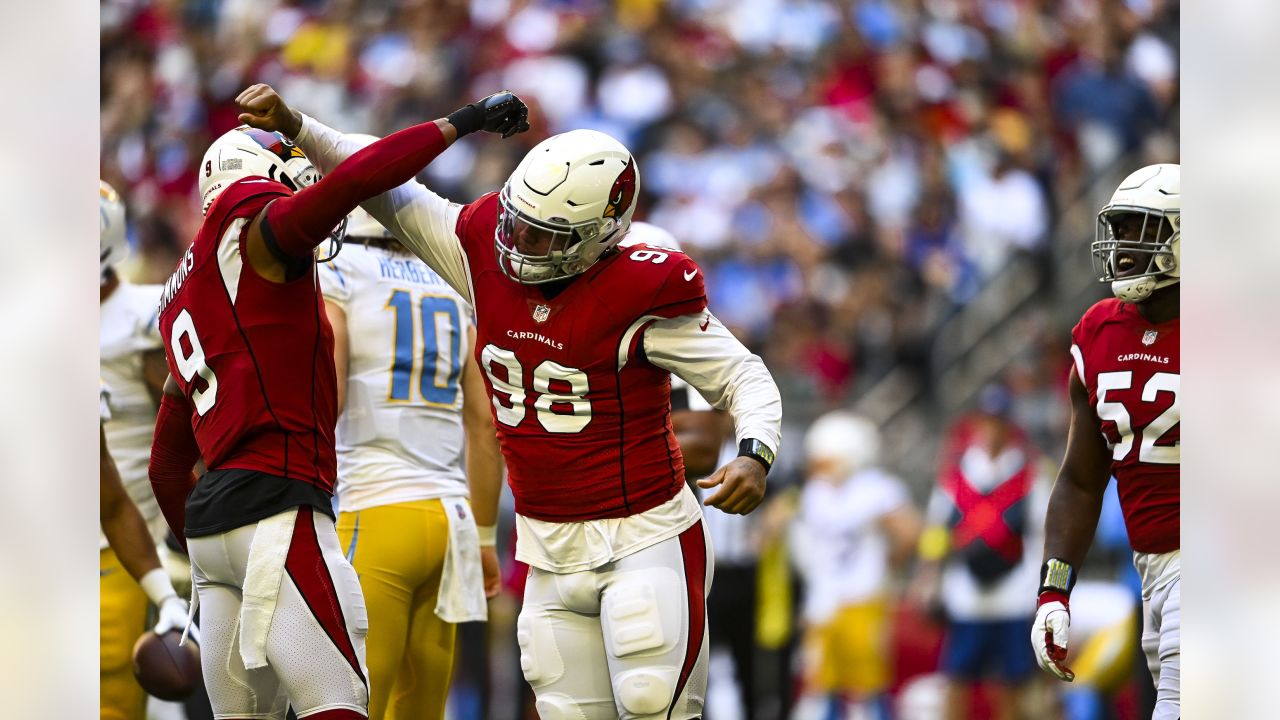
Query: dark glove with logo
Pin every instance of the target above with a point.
(502, 113)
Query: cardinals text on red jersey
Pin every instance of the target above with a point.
(583, 419)
(255, 358)
(1130, 368)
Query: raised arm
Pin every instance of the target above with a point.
(419, 218)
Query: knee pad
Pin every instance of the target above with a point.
(540, 659)
(634, 611)
(645, 691)
(558, 706)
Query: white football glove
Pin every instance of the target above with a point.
(1049, 638)
(173, 615)
(173, 610)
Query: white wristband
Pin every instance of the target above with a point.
(157, 586)
(488, 535)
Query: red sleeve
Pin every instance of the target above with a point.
(174, 453)
(683, 292)
(298, 223)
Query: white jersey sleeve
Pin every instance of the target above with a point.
(127, 330)
(700, 350)
(425, 222)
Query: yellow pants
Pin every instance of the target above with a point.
(398, 552)
(850, 653)
(122, 618)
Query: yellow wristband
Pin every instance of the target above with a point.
(488, 535)
(934, 543)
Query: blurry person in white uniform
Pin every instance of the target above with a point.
(855, 525)
(132, 365)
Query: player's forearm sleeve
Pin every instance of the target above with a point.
(174, 453)
(720, 367)
(420, 219)
(301, 222)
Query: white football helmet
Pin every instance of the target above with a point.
(569, 200)
(112, 244)
(249, 152)
(651, 235)
(845, 440)
(1136, 241)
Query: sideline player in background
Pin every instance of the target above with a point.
(1125, 422)
(854, 527)
(410, 398)
(577, 341)
(253, 392)
(134, 549)
(132, 365)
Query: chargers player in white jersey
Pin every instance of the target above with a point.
(414, 427)
(133, 366)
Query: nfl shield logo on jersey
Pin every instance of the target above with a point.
(1149, 337)
(542, 312)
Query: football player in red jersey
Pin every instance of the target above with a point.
(1124, 422)
(252, 391)
(577, 340)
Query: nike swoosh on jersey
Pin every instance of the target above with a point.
(689, 275)
(705, 324)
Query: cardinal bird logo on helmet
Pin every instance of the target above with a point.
(622, 193)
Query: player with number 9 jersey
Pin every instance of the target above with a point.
(253, 392)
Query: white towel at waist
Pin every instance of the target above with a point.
(263, 573)
(461, 597)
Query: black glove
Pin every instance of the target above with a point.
(501, 113)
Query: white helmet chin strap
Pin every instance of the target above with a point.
(1137, 289)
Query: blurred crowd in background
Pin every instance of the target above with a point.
(851, 174)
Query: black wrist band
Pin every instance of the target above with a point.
(756, 450)
(466, 119)
(1058, 576)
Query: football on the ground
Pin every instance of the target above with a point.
(164, 669)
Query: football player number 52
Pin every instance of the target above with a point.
(1148, 450)
(561, 403)
(192, 363)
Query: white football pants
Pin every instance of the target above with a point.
(1162, 628)
(315, 645)
(625, 640)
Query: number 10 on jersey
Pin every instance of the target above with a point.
(441, 357)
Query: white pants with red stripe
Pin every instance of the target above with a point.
(315, 645)
(624, 640)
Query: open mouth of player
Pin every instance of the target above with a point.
(1126, 264)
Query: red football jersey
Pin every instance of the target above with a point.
(254, 357)
(1130, 368)
(583, 419)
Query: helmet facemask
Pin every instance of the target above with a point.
(534, 252)
(1136, 250)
